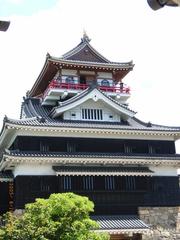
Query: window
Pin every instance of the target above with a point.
(67, 183)
(73, 115)
(69, 79)
(44, 147)
(88, 183)
(105, 83)
(92, 114)
(82, 79)
(71, 146)
(130, 183)
(109, 183)
(45, 188)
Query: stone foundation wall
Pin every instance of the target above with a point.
(125, 237)
(164, 222)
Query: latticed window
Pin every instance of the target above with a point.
(67, 183)
(130, 183)
(109, 183)
(92, 114)
(105, 83)
(69, 79)
(88, 182)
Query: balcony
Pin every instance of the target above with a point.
(57, 90)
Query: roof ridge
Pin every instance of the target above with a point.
(70, 52)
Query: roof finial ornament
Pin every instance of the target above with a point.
(85, 37)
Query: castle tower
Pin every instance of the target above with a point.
(76, 133)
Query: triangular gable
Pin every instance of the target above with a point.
(85, 52)
(95, 95)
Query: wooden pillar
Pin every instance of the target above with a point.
(4, 197)
(11, 196)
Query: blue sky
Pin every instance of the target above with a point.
(24, 7)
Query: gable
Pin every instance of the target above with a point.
(93, 111)
(93, 97)
(86, 54)
(91, 94)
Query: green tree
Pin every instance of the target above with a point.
(62, 216)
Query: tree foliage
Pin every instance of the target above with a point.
(62, 216)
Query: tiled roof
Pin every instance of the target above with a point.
(38, 115)
(76, 97)
(85, 51)
(78, 53)
(102, 170)
(89, 159)
(6, 176)
(42, 122)
(93, 155)
(121, 222)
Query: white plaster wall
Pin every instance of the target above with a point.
(75, 79)
(76, 111)
(90, 104)
(46, 169)
(163, 170)
(69, 72)
(104, 75)
(87, 72)
(33, 169)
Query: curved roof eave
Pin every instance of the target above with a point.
(152, 125)
(41, 75)
(173, 160)
(109, 65)
(7, 136)
(126, 66)
(34, 126)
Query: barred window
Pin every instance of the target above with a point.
(69, 79)
(109, 183)
(130, 183)
(88, 183)
(92, 114)
(67, 183)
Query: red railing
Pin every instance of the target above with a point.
(57, 84)
(73, 86)
(115, 89)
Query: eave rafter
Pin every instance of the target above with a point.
(62, 63)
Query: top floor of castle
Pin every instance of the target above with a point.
(81, 68)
